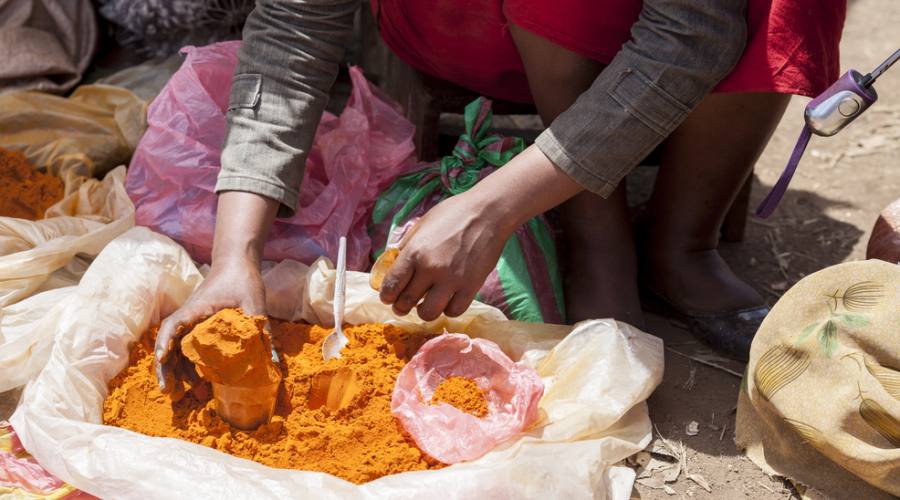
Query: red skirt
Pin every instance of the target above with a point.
(792, 46)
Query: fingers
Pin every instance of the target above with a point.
(164, 343)
(166, 335)
(412, 293)
(398, 277)
(255, 304)
(408, 281)
(460, 302)
(435, 302)
(170, 330)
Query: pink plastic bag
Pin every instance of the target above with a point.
(446, 433)
(21, 475)
(354, 157)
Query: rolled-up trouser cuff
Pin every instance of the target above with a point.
(552, 149)
(288, 198)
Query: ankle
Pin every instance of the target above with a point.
(663, 233)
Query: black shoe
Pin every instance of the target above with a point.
(729, 333)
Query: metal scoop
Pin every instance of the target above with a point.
(336, 340)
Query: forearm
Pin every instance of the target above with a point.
(529, 185)
(243, 221)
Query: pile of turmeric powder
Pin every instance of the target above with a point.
(463, 394)
(24, 192)
(232, 349)
(332, 417)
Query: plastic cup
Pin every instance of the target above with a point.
(382, 266)
(246, 408)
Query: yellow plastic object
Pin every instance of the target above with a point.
(382, 266)
(90, 132)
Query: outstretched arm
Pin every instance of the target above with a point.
(287, 64)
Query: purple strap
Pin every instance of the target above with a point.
(768, 205)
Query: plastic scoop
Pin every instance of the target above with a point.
(382, 266)
(392, 250)
(336, 340)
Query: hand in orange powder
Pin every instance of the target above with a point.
(235, 281)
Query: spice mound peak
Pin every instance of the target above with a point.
(232, 349)
(463, 394)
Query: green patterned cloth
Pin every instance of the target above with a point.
(821, 399)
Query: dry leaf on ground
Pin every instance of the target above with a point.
(701, 481)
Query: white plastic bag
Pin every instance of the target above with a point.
(596, 379)
(53, 252)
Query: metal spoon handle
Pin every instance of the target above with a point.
(340, 283)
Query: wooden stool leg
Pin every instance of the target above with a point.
(735, 223)
(425, 115)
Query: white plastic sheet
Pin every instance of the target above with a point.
(54, 251)
(593, 415)
(52, 254)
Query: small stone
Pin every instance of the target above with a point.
(692, 428)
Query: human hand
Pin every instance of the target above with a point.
(235, 284)
(242, 224)
(446, 258)
(453, 248)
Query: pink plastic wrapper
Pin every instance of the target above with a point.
(22, 477)
(354, 157)
(450, 435)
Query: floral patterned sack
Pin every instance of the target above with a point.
(821, 399)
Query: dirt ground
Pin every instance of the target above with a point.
(842, 184)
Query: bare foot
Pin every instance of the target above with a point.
(698, 281)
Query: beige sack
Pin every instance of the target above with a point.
(45, 45)
(596, 375)
(822, 397)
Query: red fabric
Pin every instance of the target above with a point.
(792, 45)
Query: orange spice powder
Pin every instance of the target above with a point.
(24, 192)
(332, 417)
(463, 394)
(232, 349)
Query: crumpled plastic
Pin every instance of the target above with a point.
(173, 173)
(90, 132)
(54, 251)
(596, 375)
(38, 258)
(146, 79)
(22, 477)
(451, 435)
